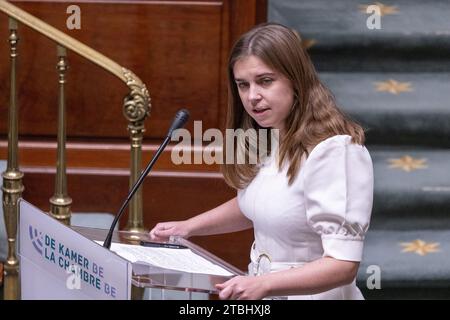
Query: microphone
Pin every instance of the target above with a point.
(179, 121)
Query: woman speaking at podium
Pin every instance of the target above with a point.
(310, 199)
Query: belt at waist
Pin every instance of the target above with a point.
(262, 263)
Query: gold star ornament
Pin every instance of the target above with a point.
(393, 86)
(420, 247)
(407, 163)
(308, 43)
(384, 9)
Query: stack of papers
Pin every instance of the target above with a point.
(175, 259)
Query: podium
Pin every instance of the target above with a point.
(61, 262)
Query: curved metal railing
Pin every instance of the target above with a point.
(136, 108)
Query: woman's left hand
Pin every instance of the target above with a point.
(242, 288)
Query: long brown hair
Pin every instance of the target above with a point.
(315, 115)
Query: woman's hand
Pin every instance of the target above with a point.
(163, 230)
(243, 288)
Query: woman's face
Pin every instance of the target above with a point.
(266, 94)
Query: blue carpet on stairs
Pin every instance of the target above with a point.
(418, 258)
(394, 81)
(414, 38)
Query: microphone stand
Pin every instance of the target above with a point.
(107, 243)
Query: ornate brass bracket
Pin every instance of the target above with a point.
(136, 108)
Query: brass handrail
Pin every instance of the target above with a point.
(139, 93)
(136, 108)
(64, 40)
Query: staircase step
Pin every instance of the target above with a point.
(415, 38)
(407, 222)
(419, 115)
(422, 270)
(411, 182)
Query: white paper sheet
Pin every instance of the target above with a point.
(175, 259)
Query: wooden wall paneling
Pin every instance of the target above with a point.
(246, 14)
(101, 155)
(174, 47)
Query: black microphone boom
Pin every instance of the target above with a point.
(180, 120)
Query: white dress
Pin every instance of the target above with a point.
(325, 212)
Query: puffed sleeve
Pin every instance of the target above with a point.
(338, 188)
